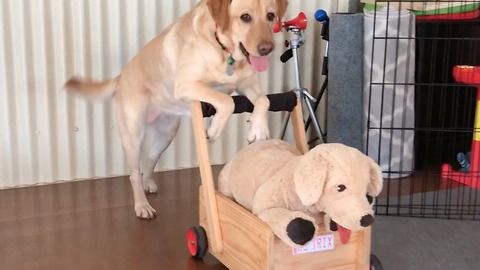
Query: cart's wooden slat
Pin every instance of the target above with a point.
(299, 128)
(206, 176)
(364, 249)
(247, 240)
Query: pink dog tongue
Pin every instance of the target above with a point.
(344, 234)
(260, 63)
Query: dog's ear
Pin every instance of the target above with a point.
(376, 179)
(309, 177)
(281, 8)
(219, 11)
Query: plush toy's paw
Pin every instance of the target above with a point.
(300, 231)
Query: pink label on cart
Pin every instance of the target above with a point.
(319, 243)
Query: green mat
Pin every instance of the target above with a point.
(448, 8)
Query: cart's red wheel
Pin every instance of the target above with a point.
(375, 263)
(197, 242)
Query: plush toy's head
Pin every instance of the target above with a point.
(341, 182)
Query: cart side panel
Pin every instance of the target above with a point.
(247, 241)
(364, 249)
(350, 256)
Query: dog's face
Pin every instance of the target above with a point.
(249, 24)
(341, 182)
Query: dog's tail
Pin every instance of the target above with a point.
(92, 89)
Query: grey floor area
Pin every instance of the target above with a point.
(404, 243)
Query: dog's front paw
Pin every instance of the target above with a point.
(214, 131)
(145, 210)
(258, 131)
(219, 121)
(300, 231)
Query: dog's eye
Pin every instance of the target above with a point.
(246, 18)
(341, 188)
(271, 16)
(370, 199)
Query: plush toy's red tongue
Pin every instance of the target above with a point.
(344, 234)
(260, 63)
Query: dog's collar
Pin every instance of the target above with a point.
(244, 51)
(230, 60)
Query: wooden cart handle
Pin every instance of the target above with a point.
(287, 101)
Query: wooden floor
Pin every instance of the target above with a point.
(92, 225)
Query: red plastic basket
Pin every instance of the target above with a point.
(467, 74)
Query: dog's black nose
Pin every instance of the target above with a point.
(366, 220)
(265, 48)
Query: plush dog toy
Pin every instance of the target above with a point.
(332, 184)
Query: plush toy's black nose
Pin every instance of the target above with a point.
(366, 220)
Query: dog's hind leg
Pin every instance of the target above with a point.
(161, 134)
(130, 112)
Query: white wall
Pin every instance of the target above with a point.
(47, 135)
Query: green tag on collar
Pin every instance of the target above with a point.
(230, 60)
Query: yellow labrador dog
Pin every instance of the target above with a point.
(216, 48)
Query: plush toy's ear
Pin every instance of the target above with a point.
(310, 177)
(376, 179)
(281, 8)
(219, 11)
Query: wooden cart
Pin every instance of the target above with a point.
(240, 240)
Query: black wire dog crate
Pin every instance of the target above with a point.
(421, 61)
